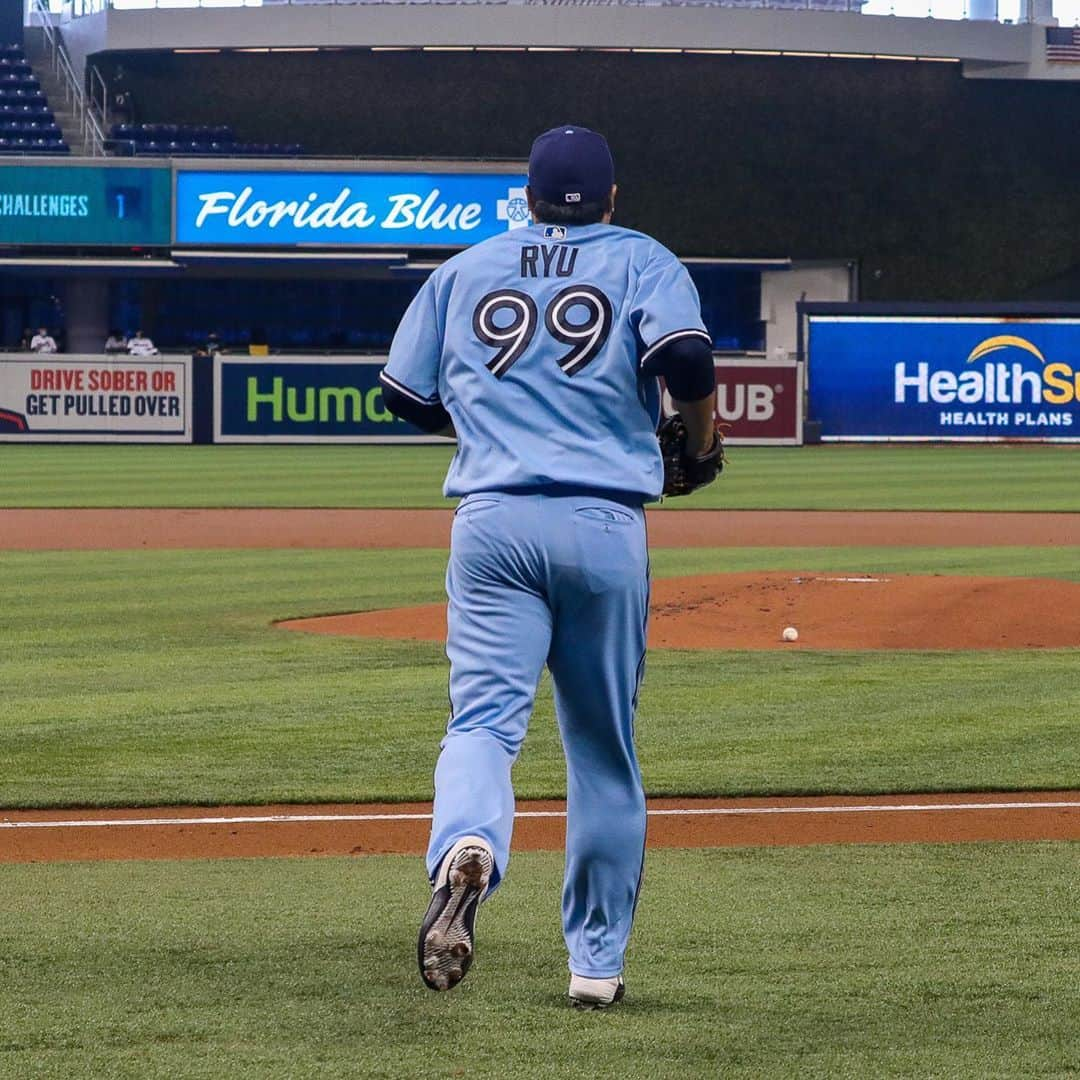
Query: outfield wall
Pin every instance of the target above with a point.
(298, 399)
(864, 373)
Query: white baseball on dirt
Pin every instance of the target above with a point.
(790, 634)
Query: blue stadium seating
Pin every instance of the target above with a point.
(190, 140)
(25, 112)
(27, 125)
(21, 145)
(19, 96)
(30, 128)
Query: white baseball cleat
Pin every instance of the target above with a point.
(445, 948)
(595, 993)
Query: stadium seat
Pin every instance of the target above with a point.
(210, 140)
(21, 95)
(29, 127)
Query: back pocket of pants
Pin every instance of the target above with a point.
(475, 506)
(606, 515)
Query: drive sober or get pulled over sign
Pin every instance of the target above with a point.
(88, 399)
(288, 208)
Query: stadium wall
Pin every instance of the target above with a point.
(943, 188)
(985, 43)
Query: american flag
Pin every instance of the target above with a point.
(1063, 44)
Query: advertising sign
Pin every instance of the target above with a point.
(346, 209)
(76, 204)
(304, 399)
(88, 399)
(758, 401)
(912, 378)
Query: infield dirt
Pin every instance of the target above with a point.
(836, 611)
(370, 829)
(87, 530)
(830, 611)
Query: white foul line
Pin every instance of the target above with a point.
(712, 811)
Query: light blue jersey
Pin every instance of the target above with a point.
(533, 342)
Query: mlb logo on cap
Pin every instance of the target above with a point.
(571, 165)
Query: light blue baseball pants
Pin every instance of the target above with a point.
(561, 580)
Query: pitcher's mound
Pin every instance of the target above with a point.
(829, 610)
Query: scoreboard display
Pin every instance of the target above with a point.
(94, 205)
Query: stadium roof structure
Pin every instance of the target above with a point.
(985, 48)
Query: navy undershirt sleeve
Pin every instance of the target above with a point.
(686, 365)
(427, 416)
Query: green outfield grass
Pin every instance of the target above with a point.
(146, 677)
(834, 962)
(811, 478)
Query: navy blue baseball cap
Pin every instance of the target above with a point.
(570, 165)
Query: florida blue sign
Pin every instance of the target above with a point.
(345, 209)
(304, 400)
(947, 377)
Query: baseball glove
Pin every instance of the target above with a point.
(684, 472)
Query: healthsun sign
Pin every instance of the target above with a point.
(910, 378)
(275, 208)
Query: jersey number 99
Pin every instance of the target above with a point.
(585, 338)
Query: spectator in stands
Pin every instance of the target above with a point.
(121, 100)
(141, 345)
(213, 346)
(115, 343)
(43, 341)
(24, 341)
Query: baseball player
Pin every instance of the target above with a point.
(540, 348)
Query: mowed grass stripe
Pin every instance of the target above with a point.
(940, 960)
(156, 677)
(906, 477)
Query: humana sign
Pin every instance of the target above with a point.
(310, 405)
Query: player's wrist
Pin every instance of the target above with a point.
(704, 447)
